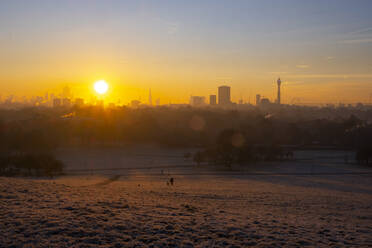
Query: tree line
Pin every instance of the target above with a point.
(235, 136)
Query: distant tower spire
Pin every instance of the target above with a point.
(150, 98)
(278, 98)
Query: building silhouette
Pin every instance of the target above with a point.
(197, 101)
(212, 99)
(57, 102)
(150, 98)
(79, 102)
(66, 102)
(135, 103)
(224, 95)
(258, 99)
(279, 82)
(265, 101)
(100, 103)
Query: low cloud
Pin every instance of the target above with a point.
(293, 83)
(173, 28)
(302, 66)
(360, 36)
(357, 41)
(335, 76)
(362, 31)
(278, 72)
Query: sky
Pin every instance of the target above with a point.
(321, 49)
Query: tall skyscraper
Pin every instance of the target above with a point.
(278, 98)
(224, 95)
(212, 99)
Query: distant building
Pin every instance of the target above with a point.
(100, 103)
(38, 100)
(224, 95)
(359, 105)
(265, 101)
(51, 98)
(279, 82)
(258, 99)
(150, 98)
(135, 103)
(197, 101)
(181, 105)
(66, 102)
(57, 102)
(212, 99)
(79, 102)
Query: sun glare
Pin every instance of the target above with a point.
(101, 87)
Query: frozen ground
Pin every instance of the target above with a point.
(317, 203)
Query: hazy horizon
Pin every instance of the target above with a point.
(322, 50)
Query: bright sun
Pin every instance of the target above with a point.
(101, 87)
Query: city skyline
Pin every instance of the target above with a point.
(322, 49)
(67, 98)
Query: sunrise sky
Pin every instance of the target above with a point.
(322, 49)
